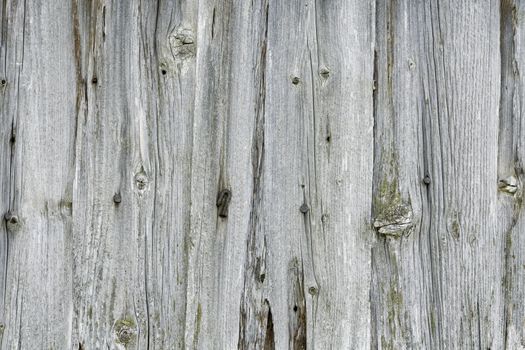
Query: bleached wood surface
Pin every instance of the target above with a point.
(262, 174)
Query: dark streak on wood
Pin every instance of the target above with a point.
(223, 202)
(77, 54)
(256, 321)
(297, 307)
(269, 341)
(213, 24)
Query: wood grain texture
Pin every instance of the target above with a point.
(262, 174)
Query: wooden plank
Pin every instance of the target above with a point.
(510, 169)
(38, 161)
(132, 188)
(227, 151)
(438, 267)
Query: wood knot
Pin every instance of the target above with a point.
(3, 82)
(66, 208)
(324, 72)
(313, 290)
(392, 213)
(394, 222)
(508, 185)
(182, 44)
(426, 180)
(295, 80)
(125, 331)
(223, 202)
(141, 180)
(11, 218)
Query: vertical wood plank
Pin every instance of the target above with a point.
(438, 262)
(38, 132)
(510, 169)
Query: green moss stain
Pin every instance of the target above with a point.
(387, 195)
(395, 316)
(386, 345)
(394, 304)
(395, 298)
(388, 189)
(389, 207)
(432, 322)
(455, 228)
(454, 225)
(127, 322)
(198, 320)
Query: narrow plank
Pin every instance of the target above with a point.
(223, 299)
(116, 174)
(317, 173)
(510, 169)
(39, 107)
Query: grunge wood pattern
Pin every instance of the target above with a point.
(262, 174)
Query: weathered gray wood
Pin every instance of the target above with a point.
(439, 271)
(262, 174)
(510, 169)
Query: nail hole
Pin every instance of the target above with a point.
(295, 80)
(295, 308)
(328, 138)
(3, 82)
(94, 80)
(426, 180)
(262, 277)
(163, 71)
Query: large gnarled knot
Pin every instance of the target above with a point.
(509, 185)
(394, 223)
(182, 44)
(125, 331)
(393, 214)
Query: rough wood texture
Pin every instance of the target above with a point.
(262, 174)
